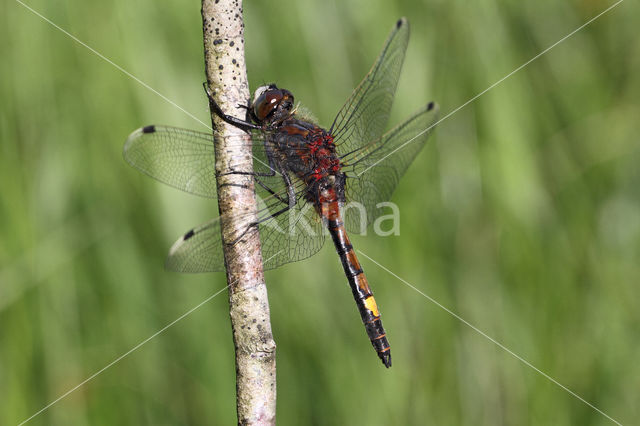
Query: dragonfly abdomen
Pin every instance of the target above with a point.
(358, 282)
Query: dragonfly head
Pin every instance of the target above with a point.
(271, 105)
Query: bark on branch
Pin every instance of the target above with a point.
(223, 29)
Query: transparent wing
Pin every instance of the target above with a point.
(181, 158)
(373, 172)
(364, 116)
(285, 237)
(185, 159)
(199, 250)
(291, 236)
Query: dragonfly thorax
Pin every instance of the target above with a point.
(325, 161)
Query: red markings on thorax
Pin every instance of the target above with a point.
(319, 154)
(323, 152)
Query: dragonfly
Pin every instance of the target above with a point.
(304, 174)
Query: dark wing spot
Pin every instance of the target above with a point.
(430, 106)
(149, 129)
(188, 235)
(399, 23)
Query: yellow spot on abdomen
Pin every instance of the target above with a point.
(370, 304)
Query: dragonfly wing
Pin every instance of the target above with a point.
(286, 236)
(199, 250)
(181, 158)
(373, 172)
(293, 235)
(364, 116)
(185, 159)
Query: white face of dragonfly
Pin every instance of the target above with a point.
(259, 91)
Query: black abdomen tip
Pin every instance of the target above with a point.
(385, 357)
(149, 129)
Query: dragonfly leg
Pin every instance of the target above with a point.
(256, 177)
(270, 191)
(242, 124)
(272, 165)
(289, 204)
(254, 174)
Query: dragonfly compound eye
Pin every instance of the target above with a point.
(271, 103)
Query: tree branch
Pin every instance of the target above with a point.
(223, 29)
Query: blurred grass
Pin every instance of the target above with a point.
(522, 216)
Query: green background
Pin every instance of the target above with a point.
(522, 216)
